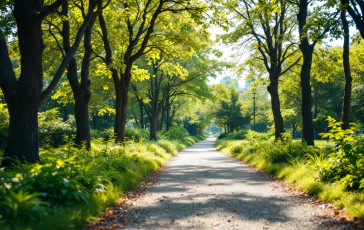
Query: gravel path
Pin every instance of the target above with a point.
(204, 189)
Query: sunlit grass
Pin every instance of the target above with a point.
(297, 172)
(124, 166)
(318, 143)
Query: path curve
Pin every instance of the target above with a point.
(204, 189)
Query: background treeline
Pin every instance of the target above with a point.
(305, 73)
(295, 57)
(96, 94)
(95, 68)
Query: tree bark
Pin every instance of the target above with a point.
(345, 117)
(23, 104)
(122, 105)
(305, 75)
(81, 91)
(307, 122)
(141, 116)
(276, 109)
(22, 142)
(153, 128)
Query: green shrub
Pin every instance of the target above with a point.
(52, 129)
(253, 136)
(240, 135)
(222, 136)
(236, 149)
(105, 134)
(345, 165)
(176, 132)
(136, 134)
(71, 184)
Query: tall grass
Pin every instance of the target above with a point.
(302, 165)
(71, 186)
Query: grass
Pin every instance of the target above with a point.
(298, 171)
(318, 143)
(123, 167)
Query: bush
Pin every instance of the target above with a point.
(344, 165)
(105, 134)
(240, 135)
(136, 134)
(222, 136)
(176, 132)
(253, 136)
(236, 149)
(52, 129)
(71, 184)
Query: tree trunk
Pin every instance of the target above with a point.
(307, 122)
(141, 116)
(22, 141)
(118, 113)
(305, 75)
(24, 101)
(81, 91)
(345, 117)
(276, 109)
(122, 100)
(162, 119)
(153, 128)
(82, 121)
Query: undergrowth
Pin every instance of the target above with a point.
(71, 186)
(334, 174)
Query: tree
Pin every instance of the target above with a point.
(356, 10)
(227, 109)
(139, 22)
(268, 25)
(80, 89)
(313, 26)
(345, 117)
(25, 94)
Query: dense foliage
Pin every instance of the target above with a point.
(70, 180)
(333, 172)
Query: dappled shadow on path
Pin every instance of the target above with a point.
(208, 185)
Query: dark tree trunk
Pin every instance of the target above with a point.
(276, 109)
(82, 120)
(307, 122)
(118, 112)
(141, 116)
(168, 112)
(23, 104)
(64, 112)
(305, 75)
(22, 142)
(162, 119)
(153, 128)
(345, 117)
(81, 91)
(122, 106)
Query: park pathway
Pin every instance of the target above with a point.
(204, 189)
